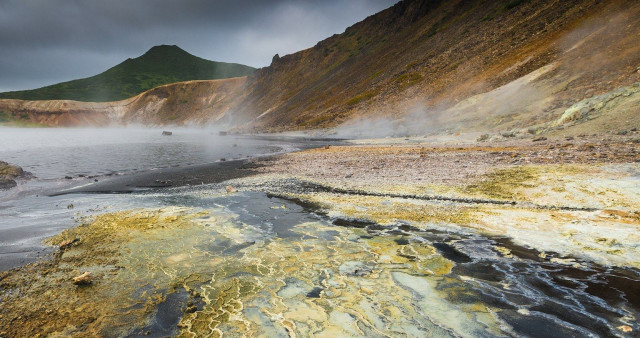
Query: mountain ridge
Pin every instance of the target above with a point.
(508, 66)
(160, 65)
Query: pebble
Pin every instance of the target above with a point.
(83, 279)
(353, 238)
(625, 328)
(67, 244)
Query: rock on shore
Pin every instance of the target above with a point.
(8, 174)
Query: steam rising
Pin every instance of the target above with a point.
(584, 67)
(418, 120)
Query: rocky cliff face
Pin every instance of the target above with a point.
(436, 65)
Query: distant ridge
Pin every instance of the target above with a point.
(160, 65)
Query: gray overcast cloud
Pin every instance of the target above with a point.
(43, 42)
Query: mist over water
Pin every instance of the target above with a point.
(60, 157)
(55, 153)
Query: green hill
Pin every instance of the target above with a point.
(160, 65)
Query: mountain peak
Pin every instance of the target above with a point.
(160, 65)
(165, 50)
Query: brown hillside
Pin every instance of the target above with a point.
(439, 52)
(426, 65)
(191, 102)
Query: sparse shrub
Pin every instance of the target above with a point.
(408, 79)
(514, 3)
(488, 17)
(436, 27)
(318, 120)
(374, 75)
(361, 97)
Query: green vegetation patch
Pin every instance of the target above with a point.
(318, 120)
(407, 80)
(361, 97)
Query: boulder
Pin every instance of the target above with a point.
(10, 171)
(8, 174)
(7, 183)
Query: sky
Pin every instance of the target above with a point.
(43, 42)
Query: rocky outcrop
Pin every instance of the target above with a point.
(591, 108)
(8, 175)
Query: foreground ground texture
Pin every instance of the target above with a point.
(380, 238)
(575, 196)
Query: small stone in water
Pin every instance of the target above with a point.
(625, 328)
(70, 206)
(230, 189)
(524, 312)
(353, 238)
(354, 269)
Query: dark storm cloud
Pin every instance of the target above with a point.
(48, 41)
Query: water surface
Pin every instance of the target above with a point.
(53, 153)
(67, 157)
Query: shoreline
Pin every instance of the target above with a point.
(577, 197)
(193, 175)
(474, 185)
(330, 227)
(163, 178)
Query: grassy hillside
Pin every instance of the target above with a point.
(158, 66)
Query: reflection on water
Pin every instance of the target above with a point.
(204, 264)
